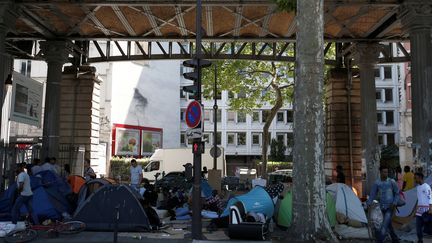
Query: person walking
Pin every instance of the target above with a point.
(136, 174)
(388, 193)
(25, 196)
(89, 173)
(424, 204)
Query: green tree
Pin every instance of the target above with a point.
(256, 84)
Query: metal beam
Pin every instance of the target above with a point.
(266, 21)
(209, 18)
(291, 28)
(36, 23)
(238, 20)
(180, 21)
(362, 11)
(393, 3)
(77, 27)
(167, 22)
(96, 21)
(152, 20)
(383, 25)
(123, 20)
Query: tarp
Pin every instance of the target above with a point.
(256, 200)
(51, 179)
(76, 182)
(98, 212)
(284, 216)
(347, 203)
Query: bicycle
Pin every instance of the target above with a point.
(30, 233)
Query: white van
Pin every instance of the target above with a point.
(164, 161)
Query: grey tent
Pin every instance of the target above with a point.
(99, 210)
(89, 188)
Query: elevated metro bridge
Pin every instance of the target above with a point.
(234, 29)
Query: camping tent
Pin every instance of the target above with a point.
(89, 188)
(98, 212)
(347, 203)
(256, 200)
(284, 214)
(48, 202)
(51, 179)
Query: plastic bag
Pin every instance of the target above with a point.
(375, 216)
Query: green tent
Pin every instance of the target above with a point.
(284, 216)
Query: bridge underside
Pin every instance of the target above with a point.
(254, 24)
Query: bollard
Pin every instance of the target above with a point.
(116, 220)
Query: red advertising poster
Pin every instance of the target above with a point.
(135, 141)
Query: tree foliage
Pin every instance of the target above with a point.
(277, 150)
(253, 84)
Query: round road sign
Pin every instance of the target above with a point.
(193, 114)
(218, 152)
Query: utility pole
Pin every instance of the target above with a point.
(215, 108)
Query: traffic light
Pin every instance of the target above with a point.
(194, 76)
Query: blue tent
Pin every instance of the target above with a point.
(49, 197)
(257, 200)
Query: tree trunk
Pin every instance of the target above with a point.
(310, 223)
(273, 112)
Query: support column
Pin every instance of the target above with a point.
(56, 54)
(416, 17)
(7, 22)
(366, 55)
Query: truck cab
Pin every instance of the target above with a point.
(153, 168)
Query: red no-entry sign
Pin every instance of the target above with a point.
(193, 114)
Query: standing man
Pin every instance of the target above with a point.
(424, 204)
(36, 168)
(25, 196)
(136, 174)
(388, 193)
(89, 173)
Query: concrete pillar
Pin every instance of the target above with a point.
(343, 134)
(79, 115)
(416, 18)
(56, 54)
(366, 55)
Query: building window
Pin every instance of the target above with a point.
(241, 138)
(182, 139)
(182, 114)
(290, 116)
(231, 116)
(265, 115)
(190, 141)
(207, 115)
(380, 139)
(219, 95)
(290, 139)
(256, 116)
(256, 139)
(387, 72)
(219, 115)
(280, 137)
(280, 116)
(389, 117)
(377, 73)
(218, 138)
(182, 94)
(391, 139)
(231, 138)
(241, 117)
(380, 117)
(388, 95)
(378, 94)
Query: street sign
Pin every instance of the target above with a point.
(198, 147)
(218, 152)
(193, 114)
(194, 133)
